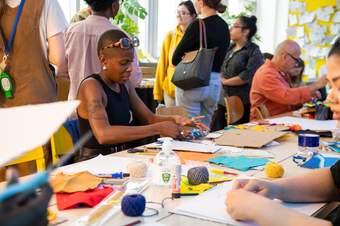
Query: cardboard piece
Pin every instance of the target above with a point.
(247, 138)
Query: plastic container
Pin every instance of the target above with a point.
(164, 167)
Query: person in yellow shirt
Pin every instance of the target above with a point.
(164, 89)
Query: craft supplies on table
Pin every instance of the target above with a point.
(215, 200)
(239, 162)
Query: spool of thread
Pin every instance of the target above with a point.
(133, 205)
(137, 169)
(309, 142)
(198, 175)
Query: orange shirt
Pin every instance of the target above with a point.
(271, 89)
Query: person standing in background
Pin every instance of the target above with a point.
(164, 89)
(203, 100)
(38, 41)
(240, 64)
(81, 41)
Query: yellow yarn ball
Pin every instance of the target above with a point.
(273, 170)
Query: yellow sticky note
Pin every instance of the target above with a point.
(312, 5)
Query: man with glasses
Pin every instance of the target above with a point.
(81, 41)
(271, 87)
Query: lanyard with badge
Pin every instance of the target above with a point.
(6, 82)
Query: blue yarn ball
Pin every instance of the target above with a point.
(198, 175)
(133, 205)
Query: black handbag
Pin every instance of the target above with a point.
(195, 68)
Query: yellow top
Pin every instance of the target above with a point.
(165, 69)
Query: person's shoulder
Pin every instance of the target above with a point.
(193, 25)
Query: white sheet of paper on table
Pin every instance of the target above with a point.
(197, 207)
(306, 123)
(203, 147)
(98, 165)
(27, 127)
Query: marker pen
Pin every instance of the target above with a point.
(118, 175)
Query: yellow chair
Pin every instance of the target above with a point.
(61, 143)
(36, 155)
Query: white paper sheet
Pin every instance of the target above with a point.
(335, 29)
(307, 18)
(300, 32)
(324, 14)
(293, 20)
(215, 198)
(336, 18)
(98, 165)
(27, 127)
(204, 147)
(307, 123)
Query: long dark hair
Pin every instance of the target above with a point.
(216, 4)
(190, 6)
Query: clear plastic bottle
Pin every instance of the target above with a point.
(165, 164)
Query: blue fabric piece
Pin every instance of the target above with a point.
(241, 163)
(72, 126)
(320, 161)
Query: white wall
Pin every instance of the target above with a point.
(272, 22)
(69, 8)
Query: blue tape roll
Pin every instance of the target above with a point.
(309, 140)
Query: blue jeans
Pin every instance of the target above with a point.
(201, 101)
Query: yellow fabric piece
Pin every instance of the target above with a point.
(273, 170)
(187, 188)
(165, 69)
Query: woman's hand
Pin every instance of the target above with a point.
(260, 187)
(193, 122)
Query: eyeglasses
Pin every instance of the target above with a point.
(182, 13)
(124, 43)
(237, 26)
(297, 60)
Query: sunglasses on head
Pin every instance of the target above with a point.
(124, 43)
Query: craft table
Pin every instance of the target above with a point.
(282, 154)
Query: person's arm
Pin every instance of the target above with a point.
(274, 89)
(246, 206)
(189, 42)
(146, 116)
(255, 60)
(315, 186)
(56, 49)
(162, 66)
(92, 107)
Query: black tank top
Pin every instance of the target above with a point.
(118, 111)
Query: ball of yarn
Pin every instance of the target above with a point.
(133, 205)
(137, 169)
(198, 175)
(273, 170)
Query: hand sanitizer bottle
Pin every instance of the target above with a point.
(165, 164)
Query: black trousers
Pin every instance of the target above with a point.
(219, 120)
